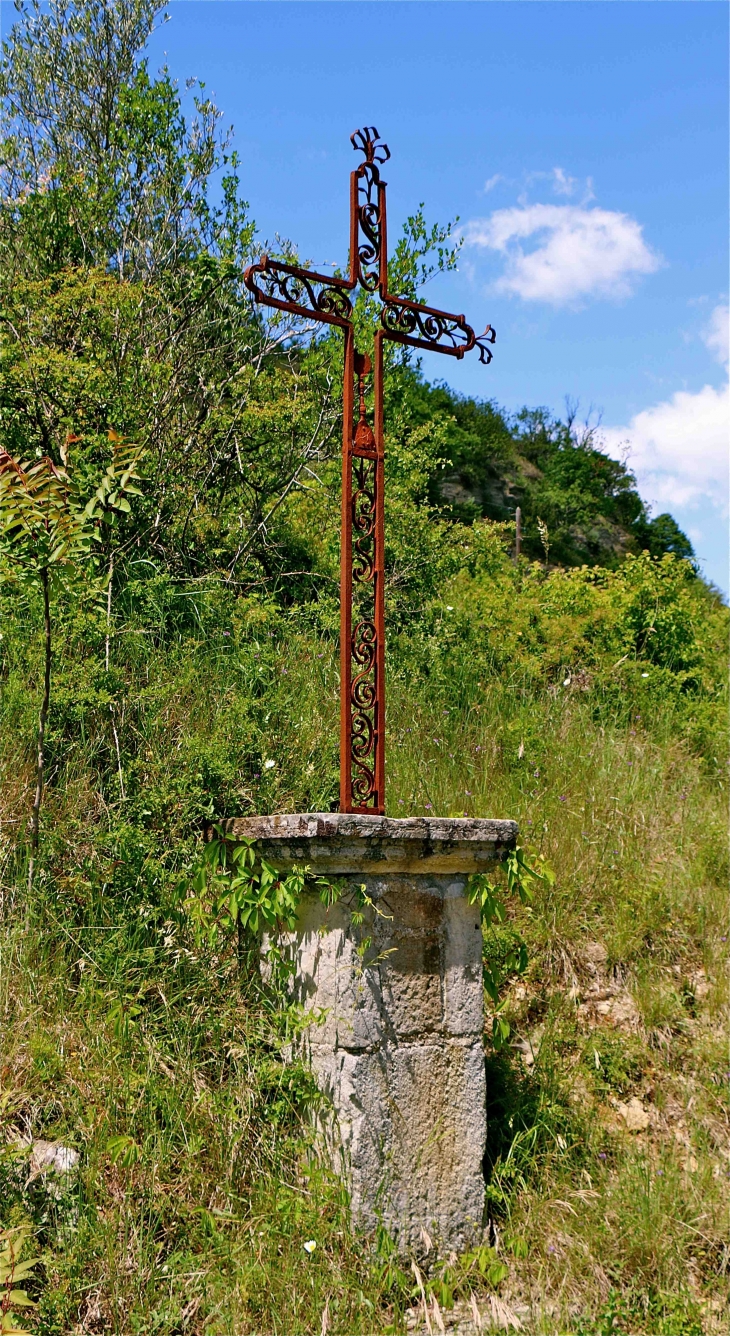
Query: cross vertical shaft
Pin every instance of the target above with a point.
(362, 592)
(328, 300)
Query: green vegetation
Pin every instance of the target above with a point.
(194, 677)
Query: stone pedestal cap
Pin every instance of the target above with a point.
(338, 843)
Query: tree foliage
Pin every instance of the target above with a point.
(98, 164)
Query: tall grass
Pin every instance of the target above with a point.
(198, 1186)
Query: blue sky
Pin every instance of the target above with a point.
(584, 148)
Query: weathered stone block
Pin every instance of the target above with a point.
(400, 1050)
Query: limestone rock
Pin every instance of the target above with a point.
(340, 842)
(399, 1052)
(51, 1157)
(634, 1115)
(595, 956)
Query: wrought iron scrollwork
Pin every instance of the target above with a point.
(482, 341)
(368, 141)
(369, 205)
(363, 704)
(322, 298)
(364, 639)
(300, 291)
(365, 689)
(426, 327)
(363, 520)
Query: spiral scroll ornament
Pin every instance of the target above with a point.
(369, 205)
(482, 342)
(363, 521)
(364, 639)
(438, 331)
(300, 291)
(363, 706)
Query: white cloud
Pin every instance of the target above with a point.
(678, 449)
(578, 253)
(492, 182)
(717, 334)
(562, 183)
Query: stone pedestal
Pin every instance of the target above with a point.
(399, 1050)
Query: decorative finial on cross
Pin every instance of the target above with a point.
(368, 142)
(362, 607)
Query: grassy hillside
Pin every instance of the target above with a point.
(587, 707)
(169, 486)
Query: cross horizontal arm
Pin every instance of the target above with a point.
(300, 291)
(437, 331)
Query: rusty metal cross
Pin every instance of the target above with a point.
(362, 607)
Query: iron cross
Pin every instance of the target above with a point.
(362, 606)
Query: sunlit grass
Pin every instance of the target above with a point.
(111, 1026)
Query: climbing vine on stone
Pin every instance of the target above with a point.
(492, 909)
(233, 892)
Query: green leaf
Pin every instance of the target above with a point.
(500, 1031)
(24, 1269)
(123, 1150)
(9, 1326)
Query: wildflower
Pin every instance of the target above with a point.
(269, 765)
(429, 806)
(310, 1245)
(644, 674)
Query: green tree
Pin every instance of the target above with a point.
(97, 165)
(663, 534)
(47, 536)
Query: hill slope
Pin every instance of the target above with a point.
(553, 470)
